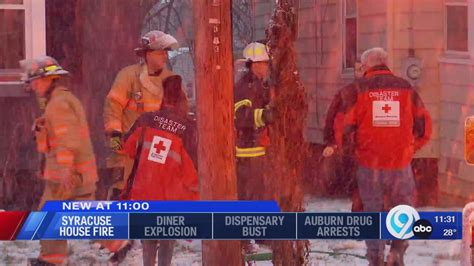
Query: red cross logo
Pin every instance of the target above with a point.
(159, 147)
(387, 108)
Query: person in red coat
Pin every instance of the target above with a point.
(385, 125)
(163, 144)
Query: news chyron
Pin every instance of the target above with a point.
(405, 222)
(220, 220)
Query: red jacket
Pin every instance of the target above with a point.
(165, 170)
(388, 121)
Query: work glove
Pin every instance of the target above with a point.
(115, 141)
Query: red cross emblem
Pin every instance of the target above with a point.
(159, 147)
(387, 108)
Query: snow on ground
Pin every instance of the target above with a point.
(420, 252)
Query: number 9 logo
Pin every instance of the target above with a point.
(400, 220)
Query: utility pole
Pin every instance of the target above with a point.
(215, 118)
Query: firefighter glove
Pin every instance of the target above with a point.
(115, 141)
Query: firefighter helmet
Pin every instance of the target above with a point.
(156, 40)
(41, 66)
(256, 52)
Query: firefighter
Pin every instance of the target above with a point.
(253, 112)
(388, 122)
(137, 89)
(163, 142)
(62, 134)
(342, 164)
(252, 115)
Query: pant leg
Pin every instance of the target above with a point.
(251, 183)
(165, 252)
(52, 251)
(350, 167)
(370, 185)
(401, 188)
(149, 252)
(250, 178)
(55, 251)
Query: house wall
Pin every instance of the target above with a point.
(426, 38)
(457, 102)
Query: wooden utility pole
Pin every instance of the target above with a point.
(215, 119)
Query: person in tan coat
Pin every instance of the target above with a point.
(62, 134)
(137, 89)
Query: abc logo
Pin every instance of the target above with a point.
(422, 229)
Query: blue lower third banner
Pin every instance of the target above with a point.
(74, 225)
(254, 226)
(338, 226)
(170, 225)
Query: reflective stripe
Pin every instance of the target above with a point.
(117, 97)
(242, 103)
(175, 156)
(54, 258)
(86, 166)
(132, 107)
(152, 106)
(60, 130)
(65, 157)
(56, 174)
(250, 152)
(146, 144)
(258, 118)
(114, 245)
(114, 125)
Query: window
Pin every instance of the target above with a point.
(456, 27)
(349, 25)
(22, 35)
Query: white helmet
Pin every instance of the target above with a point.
(256, 52)
(156, 40)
